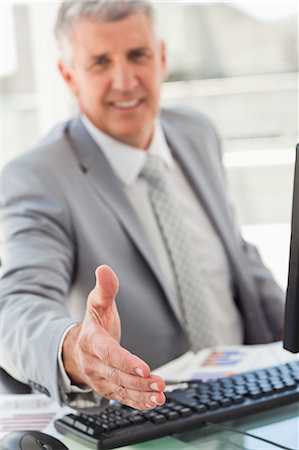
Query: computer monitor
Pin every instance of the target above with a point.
(291, 322)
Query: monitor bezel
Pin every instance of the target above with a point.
(291, 319)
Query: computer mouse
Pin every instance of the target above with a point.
(30, 440)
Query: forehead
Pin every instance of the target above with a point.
(93, 36)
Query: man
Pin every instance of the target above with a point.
(85, 199)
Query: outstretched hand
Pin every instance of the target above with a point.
(92, 354)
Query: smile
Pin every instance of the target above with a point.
(126, 104)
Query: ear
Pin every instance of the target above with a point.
(163, 56)
(68, 76)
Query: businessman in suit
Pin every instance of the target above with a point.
(78, 203)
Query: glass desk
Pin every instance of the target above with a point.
(280, 425)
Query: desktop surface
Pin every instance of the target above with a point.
(192, 406)
(280, 425)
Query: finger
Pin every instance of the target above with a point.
(108, 351)
(152, 383)
(130, 397)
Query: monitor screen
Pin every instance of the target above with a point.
(291, 322)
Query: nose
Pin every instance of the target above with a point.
(123, 77)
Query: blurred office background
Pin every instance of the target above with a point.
(235, 61)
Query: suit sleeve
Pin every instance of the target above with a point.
(38, 263)
(270, 295)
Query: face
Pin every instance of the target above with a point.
(116, 75)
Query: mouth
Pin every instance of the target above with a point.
(126, 105)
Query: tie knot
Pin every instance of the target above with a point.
(153, 169)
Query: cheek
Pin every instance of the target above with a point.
(156, 82)
(93, 87)
(155, 91)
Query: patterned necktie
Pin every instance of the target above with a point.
(182, 251)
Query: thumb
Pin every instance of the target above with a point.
(101, 308)
(106, 285)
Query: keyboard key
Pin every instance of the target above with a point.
(201, 409)
(226, 402)
(109, 426)
(238, 399)
(279, 388)
(162, 410)
(267, 390)
(136, 419)
(68, 420)
(213, 405)
(80, 426)
(203, 399)
(122, 423)
(172, 415)
(185, 412)
(150, 414)
(178, 407)
(255, 394)
(159, 418)
(290, 385)
(90, 431)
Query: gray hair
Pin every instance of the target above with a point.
(72, 11)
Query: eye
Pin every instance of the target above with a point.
(101, 61)
(139, 54)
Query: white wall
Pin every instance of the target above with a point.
(52, 99)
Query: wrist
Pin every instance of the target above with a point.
(69, 356)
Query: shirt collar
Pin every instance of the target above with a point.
(127, 161)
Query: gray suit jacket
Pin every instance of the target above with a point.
(65, 212)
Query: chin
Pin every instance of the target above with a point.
(135, 137)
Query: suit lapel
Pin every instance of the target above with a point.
(109, 188)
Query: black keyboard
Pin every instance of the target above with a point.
(187, 408)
